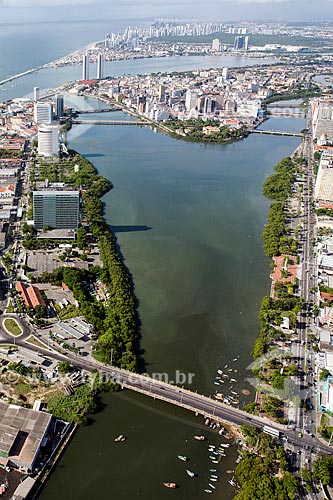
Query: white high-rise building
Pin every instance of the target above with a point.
(216, 45)
(191, 98)
(48, 140)
(225, 73)
(246, 42)
(43, 112)
(99, 67)
(36, 94)
(85, 67)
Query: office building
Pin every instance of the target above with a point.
(85, 67)
(59, 106)
(48, 140)
(43, 112)
(56, 209)
(99, 67)
(191, 99)
(36, 94)
(239, 43)
(246, 43)
(161, 93)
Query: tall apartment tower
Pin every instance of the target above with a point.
(59, 105)
(239, 42)
(246, 42)
(85, 67)
(36, 94)
(57, 209)
(43, 112)
(216, 45)
(48, 140)
(99, 67)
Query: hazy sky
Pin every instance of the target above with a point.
(20, 10)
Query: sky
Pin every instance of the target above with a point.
(220, 10)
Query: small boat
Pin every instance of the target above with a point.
(212, 486)
(212, 470)
(216, 383)
(208, 491)
(199, 438)
(225, 375)
(229, 369)
(220, 372)
(233, 380)
(234, 393)
(225, 445)
(232, 482)
(213, 475)
(212, 458)
(120, 438)
(235, 359)
(225, 366)
(182, 457)
(214, 479)
(170, 485)
(190, 473)
(215, 461)
(221, 431)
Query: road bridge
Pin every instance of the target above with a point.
(100, 110)
(275, 132)
(170, 393)
(110, 122)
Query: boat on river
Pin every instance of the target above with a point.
(225, 445)
(190, 473)
(199, 438)
(170, 485)
(182, 457)
(208, 491)
(120, 439)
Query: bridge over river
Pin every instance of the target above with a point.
(111, 122)
(275, 132)
(168, 392)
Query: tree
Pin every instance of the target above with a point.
(64, 367)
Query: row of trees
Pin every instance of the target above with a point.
(278, 187)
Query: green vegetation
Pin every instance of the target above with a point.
(8, 153)
(192, 131)
(324, 211)
(12, 326)
(263, 470)
(74, 407)
(278, 187)
(324, 374)
(298, 92)
(64, 367)
(323, 468)
(10, 307)
(270, 314)
(256, 40)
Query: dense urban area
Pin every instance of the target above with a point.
(70, 325)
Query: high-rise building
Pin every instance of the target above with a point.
(239, 42)
(36, 94)
(225, 73)
(43, 112)
(85, 67)
(191, 98)
(99, 67)
(246, 42)
(216, 45)
(56, 209)
(48, 140)
(141, 103)
(59, 105)
(161, 93)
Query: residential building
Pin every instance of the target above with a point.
(99, 67)
(216, 45)
(59, 105)
(191, 98)
(85, 67)
(48, 140)
(56, 209)
(36, 94)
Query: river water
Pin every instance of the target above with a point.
(188, 218)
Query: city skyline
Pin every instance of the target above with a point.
(225, 10)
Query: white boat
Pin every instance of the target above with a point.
(208, 491)
(120, 438)
(232, 482)
(214, 479)
(212, 486)
(212, 470)
(233, 380)
(220, 372)
(217, 383)
(212, 458)
(215, 461)
(190, 473)
(182, 457)
(221, 431)
(225, 445)
(235, 359)
(199, 438)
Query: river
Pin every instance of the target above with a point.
(188, 218)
